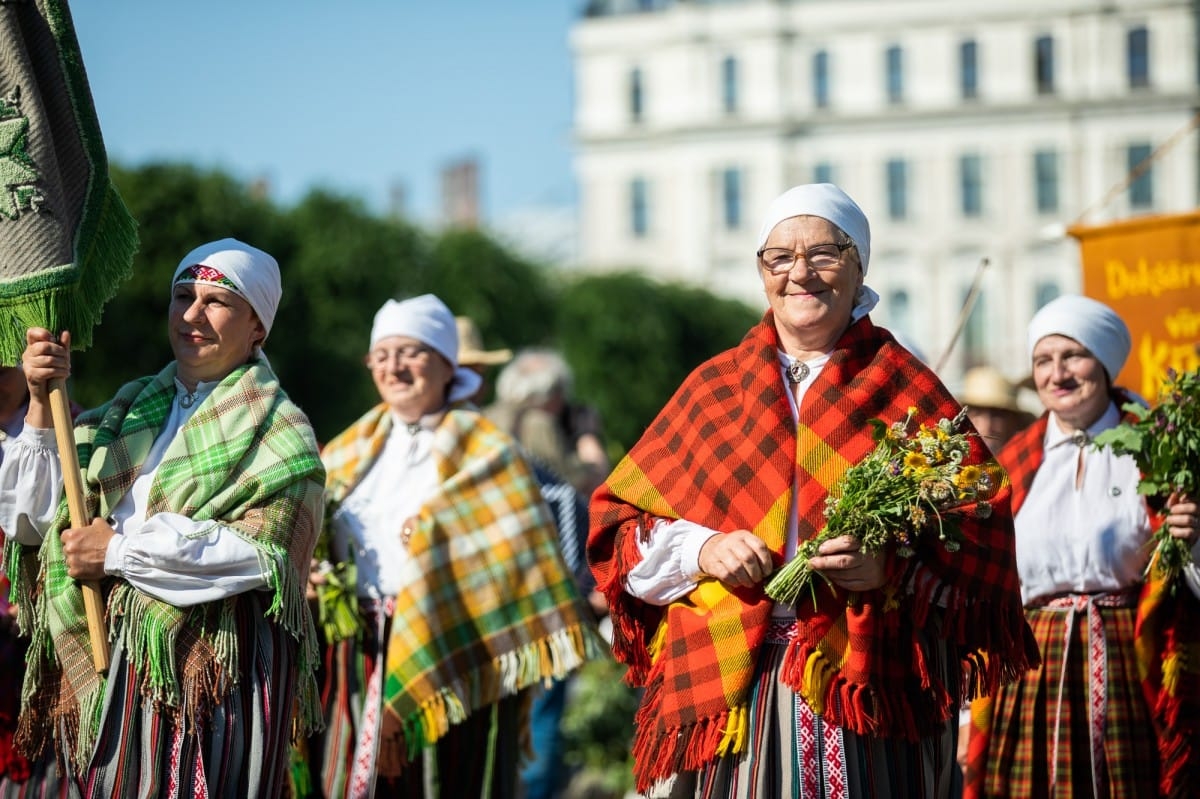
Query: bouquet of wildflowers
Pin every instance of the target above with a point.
(1165, 444)
(912, 484)
(337, 600)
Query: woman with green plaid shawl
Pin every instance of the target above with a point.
(856, 692)
(461, 590)
(204, 487)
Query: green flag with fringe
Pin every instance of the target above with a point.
(66, 238)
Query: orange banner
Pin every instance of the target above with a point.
(1148, 271)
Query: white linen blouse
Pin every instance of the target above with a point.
(1087, 539)
(169, 556)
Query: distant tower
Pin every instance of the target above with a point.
(460, 193)
(397, 199)
(260, 187)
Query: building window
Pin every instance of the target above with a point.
(1137, 55)
(897, 189)
(636, 96)
(968, 69)
(639, 208)
(729, 84)
(895, 74)
(1045, 181)
(823, 172)
(970, 180)
(1043, 293)
(900, 312)
(1141, 190)
(974, 335)
(821, 79)
(731, 198)
(1043, 64)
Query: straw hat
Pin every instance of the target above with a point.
(470, 346)
(985, 387)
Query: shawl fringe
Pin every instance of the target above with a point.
(550, 658)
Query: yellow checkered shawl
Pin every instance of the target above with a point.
(487, 606)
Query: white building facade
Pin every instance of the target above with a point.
(966, 130)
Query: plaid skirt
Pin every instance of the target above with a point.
(793, 754)
(1079, 725)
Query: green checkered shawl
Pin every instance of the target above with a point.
(487, 605)
(247, 458)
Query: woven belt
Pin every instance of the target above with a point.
(820, 747)
(1097, 669)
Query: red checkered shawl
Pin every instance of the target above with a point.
(1166, 639)
(725, 453)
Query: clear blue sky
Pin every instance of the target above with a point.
(353, 95)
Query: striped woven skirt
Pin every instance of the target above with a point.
(241, 750)
(793, 754)
(1078, 726)
(478, 757)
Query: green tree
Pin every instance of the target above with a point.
(631, 341)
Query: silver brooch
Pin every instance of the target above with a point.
(797, 371)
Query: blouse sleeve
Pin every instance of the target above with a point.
(670, 564)
(31, 484)
(186, 562)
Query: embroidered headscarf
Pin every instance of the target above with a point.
(427, 319)
(833, 205)
(1090, 322)
(246, 271)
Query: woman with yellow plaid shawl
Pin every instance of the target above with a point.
(204, 487)
(855, 693)
(1114, 709)
(464, 598)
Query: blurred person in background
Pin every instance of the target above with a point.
(534, 402)
(1080, 724)
(855, 693)
(461, 592)
(991, 402)
(473, 356)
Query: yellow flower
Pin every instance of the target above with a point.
(968, 477)
(916, 460)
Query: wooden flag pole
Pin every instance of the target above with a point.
(93, 599)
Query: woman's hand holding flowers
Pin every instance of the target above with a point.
(739, 559)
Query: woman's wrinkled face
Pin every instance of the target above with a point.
(212, 330)
(1070, 380)
(811, 306)
(411, 377)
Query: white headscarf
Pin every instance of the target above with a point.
(427, 319)
(1090, 322)
(832, 204)
(246, 271)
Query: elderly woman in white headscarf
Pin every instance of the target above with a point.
(1080, 725)
(461, 589)
(203, 484)
(856, 692)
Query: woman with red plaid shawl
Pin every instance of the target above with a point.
(1081, 724)
(854, 693)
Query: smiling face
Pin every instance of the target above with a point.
(812, 308)
(1070, 381)
(212, 330)
(411, 377)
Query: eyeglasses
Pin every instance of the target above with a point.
(418, 353)
(781, 260)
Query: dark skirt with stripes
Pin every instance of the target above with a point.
(794, 754)
(479, 757)
(241, 750)
(1045, 740)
